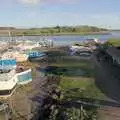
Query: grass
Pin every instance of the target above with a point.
(79, 78)
(74, 82)
(74, 67)
(77, 83)
(80, 87)
(92, 91)
(114, 42)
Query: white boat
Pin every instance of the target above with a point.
(8, 81)
(27, 45)
(12, 75)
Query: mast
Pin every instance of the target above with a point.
(10, 39)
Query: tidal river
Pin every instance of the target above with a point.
(66, 39)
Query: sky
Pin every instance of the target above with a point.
(44, 13)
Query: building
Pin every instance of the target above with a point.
(114, 53)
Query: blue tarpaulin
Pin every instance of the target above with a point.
(7, 63)
(36, 54)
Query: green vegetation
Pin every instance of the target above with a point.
(74, 114)
(77, 83)
(79, 74)
(74, 82)
(58, 30)
(75, 73)
(114, 42)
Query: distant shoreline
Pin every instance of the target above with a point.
(54, 31)
(58, 34)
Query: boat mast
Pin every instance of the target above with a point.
(10, 39)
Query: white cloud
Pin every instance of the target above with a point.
(34, 2)
(29, 1)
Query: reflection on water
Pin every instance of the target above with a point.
(65, 40)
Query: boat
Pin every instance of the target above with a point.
(8, 81)
(36, 55)
(11, 75)
(24, 76)
(12, 54)
(27, 45)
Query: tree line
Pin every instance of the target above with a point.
(57, 30)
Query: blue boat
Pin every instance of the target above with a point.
(7, 64)
(36, 54)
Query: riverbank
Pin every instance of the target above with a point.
(14, 34)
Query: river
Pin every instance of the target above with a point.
(66, 39)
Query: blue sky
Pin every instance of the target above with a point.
(40, 13)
